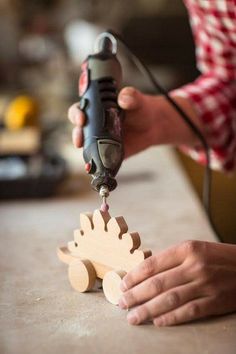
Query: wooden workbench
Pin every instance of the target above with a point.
(40, 313)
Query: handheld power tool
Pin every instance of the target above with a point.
(103, 148)
(99, 85)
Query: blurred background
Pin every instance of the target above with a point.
(42, 45)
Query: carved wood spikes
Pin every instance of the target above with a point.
(102, 248)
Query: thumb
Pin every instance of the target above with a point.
(129, 98)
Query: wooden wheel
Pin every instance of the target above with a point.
(82, 275)
(111, 285)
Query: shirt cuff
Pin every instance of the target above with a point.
(215, 103)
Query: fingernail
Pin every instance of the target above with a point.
(126, 99)
(122, 303)
(132, 318)
(123, 286)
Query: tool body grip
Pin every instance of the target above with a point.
(103, 139)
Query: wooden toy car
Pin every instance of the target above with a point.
(102, 249)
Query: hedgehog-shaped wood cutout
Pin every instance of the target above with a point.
(102, 249)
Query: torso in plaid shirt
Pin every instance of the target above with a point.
(213, 94)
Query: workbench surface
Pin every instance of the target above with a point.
(40, 313)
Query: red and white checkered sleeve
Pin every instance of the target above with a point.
(213, 94)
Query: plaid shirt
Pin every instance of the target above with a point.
(213, 94)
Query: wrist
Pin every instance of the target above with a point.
(168, 127)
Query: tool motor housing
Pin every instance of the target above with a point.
(99, 85)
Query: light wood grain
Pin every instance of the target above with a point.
(111, 285)
(104, 242)
(82, 275)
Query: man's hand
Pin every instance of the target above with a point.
(149, 120)
(189, 281)
(139, 126)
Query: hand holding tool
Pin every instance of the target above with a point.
(99, 85)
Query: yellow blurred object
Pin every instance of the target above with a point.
(21, 112)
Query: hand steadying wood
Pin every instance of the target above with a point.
(191, 280)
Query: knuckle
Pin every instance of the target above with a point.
(160, 321)
(127, 281)
(156, 284)
(172, 299)
(194, 310)
(130, 298)
(148, 266)
(130, 279)
(195, 249)
(215, 295)
(202, 270)
(170, 319)
(191, 246)
(142, 313)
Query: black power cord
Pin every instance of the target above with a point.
(207, 180)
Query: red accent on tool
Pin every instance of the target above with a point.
(83, 80)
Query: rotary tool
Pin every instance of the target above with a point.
(99, 85)
(103, 150)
